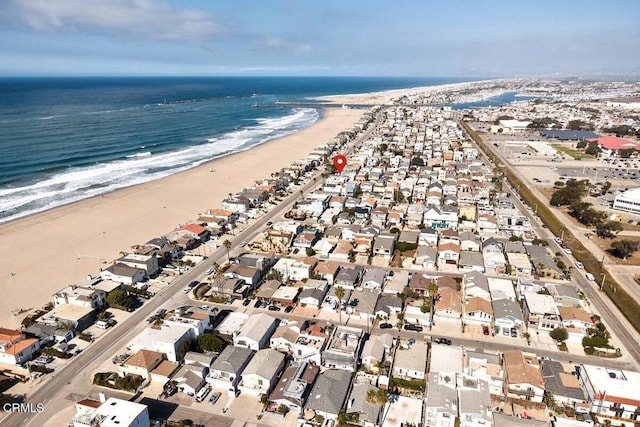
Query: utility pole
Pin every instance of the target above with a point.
(602, 283)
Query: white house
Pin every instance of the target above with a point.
(261, 374)
(255, 333)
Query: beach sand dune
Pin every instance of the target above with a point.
(42, 253)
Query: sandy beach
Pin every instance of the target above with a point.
(43, 253)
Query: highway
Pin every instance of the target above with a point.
(612, 317)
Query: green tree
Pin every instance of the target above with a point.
(120, 299)
(310, 252)
(432, 289)
(579, 125)
(624, 248)
(605, 187)
(227, 246)
(210, 342)
(559, 334)
(593, 149)
(608, 229)
(340, 295)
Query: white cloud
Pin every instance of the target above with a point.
(143, 19)
(275, 42)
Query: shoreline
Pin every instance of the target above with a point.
(49, 250)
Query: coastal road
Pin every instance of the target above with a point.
(610, 314)
(75, 377)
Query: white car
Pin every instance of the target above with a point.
(579, 265)
(589, 276)
(186, 290)
(567, 251)
(205, 307)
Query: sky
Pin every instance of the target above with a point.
(453, 38)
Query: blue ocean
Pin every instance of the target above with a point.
(66, 139)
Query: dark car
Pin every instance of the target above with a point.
(214, 397)
(288, 309)
(246, 302)
(485, 330)
(257, 304)
(386, 326)
(274, 308)
(410, 327)
(445, 341)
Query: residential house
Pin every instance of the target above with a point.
(163, 338)
(284, 337)
(329, 393)
(563, 386)
(540, 311)
(469, 241)
(478, 311)
(148, 263)
(373, 278)
(122, 273)
(523, 379)
(486, 367)
(448, 304)
(474, 402)
(327, 270)
(111, 412)
(362, 304)
(492, 253)
(349, 277)
(190, 379)
(476, 285)
(612, 394)
(375, 350)
(141, 363)
(507, 315)
(426, 257)
(15, 347)
(520, 264)
(565, 295)
(343, 349)
(226, 371)
(388, 305)
(384, 245)
(576, 321)
(448, 256)
(362, 412)
(441, 404)
(255, 333)
(294, 386)
(428, 237)
(309, 347)
(410, 361)
(261, 374)
(471, 261)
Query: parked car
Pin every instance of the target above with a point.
(214, 397)
(485, 330)
(567, 251)
(288, 309)
(514, 332)
(589, 276)
(246, 302)
(44, 359)
(257, 304)
(161, 312)
(186, 290)
(579, 265)
(386, 326)
(445, 341)
(205, 307)
(411, 327)
(274, 308)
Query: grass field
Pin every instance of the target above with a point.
(576, 154)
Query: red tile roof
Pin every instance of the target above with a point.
(615, 143)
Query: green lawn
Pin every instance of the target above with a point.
(572, 152)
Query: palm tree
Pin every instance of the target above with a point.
(378, 397)
(433, 292)
(227, 246)
(340, 295)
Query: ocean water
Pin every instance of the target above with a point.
(66, 139)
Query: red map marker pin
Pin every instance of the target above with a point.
(339, 162)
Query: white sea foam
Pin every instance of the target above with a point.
(81, 182)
